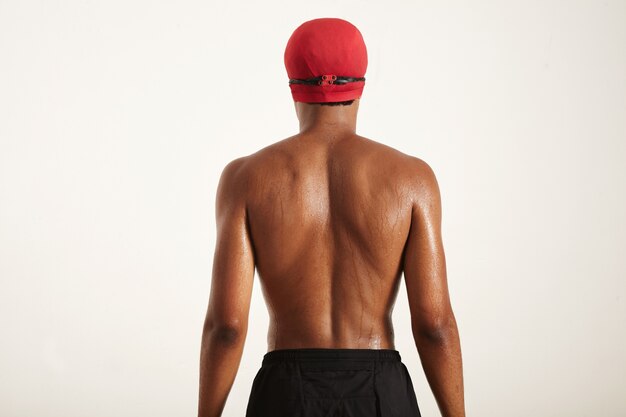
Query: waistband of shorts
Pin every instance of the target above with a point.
(330, 354)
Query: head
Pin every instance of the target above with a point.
(336, 103)
(326, 60)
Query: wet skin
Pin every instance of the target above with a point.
(330, 220)
(329, 217)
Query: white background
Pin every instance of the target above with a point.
(117, 117)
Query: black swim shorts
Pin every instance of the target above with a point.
(323, 382)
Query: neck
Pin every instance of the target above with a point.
(315, 117)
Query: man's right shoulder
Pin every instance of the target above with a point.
(411, 162)
(422, 182)
(417, 169)
(420, 168)
(414, 172)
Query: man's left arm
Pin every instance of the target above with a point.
(226, 323)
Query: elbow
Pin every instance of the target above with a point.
(228, 334)
(434, 330)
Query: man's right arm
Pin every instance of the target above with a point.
(432, 319)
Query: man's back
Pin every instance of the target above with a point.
(329, 218)
(330, 221)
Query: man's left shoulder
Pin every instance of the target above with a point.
(244, 166)
(233, 178)
(235, 165)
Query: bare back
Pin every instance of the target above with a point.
(329, 220)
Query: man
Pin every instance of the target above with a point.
(330, 220)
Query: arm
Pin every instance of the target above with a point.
(226, 322)
(432, 319)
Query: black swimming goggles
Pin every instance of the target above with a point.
(326, 79)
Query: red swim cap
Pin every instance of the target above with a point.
(326, 60)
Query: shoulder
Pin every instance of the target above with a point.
(232, 185)
(234, 171)
(421, 172)
(414, 175)
(240, 175)
(392, 155)
(417, 171)
(261, 164)
(423, 184)
(268, 155)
